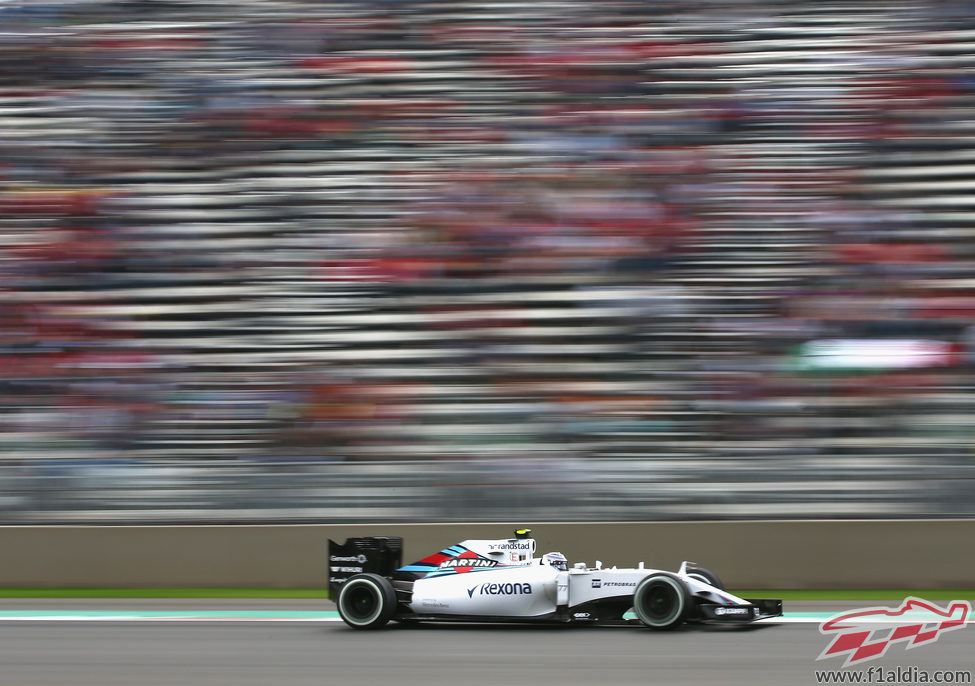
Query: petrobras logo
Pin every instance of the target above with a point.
(467, 562)
(731, 611)
(599, 583)
(500, 589)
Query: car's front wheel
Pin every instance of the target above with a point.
(707, 576)
(661, 601)
(367, 601)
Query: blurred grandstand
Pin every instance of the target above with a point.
(387, 260)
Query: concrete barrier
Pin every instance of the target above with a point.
(856, 554)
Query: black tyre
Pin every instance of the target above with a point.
(661, 601)
(367, 601)
(707, 576)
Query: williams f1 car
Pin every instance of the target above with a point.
(502, 580)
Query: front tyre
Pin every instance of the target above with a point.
(367, 601)
(661, 601)
(707, 576)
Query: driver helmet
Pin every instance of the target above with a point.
(556, 560)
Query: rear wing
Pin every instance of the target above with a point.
(377, 554)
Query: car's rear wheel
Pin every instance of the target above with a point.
(707, 576)
(661, 601)
(367, 601)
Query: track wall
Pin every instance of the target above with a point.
(765, 554)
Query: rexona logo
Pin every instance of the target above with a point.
(501, 589)
(862, 635)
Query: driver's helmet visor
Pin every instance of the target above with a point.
(556, 560)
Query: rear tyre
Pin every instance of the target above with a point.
(661, 601)
(367, 601)
(707, 576)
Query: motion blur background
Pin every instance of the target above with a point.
(406, 260)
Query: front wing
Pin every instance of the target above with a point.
(753, 610)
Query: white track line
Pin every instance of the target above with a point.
(67, 617)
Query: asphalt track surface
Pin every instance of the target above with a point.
(294, 643)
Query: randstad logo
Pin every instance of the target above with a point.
(863, 635)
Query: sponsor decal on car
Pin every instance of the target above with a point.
(501, 589)
(732, 611)
(361, 559)
(511, 545)
(599, 583)
(468, 562)
(433, 603)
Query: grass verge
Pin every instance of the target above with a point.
(871, 594)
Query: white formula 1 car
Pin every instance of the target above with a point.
(502, 580)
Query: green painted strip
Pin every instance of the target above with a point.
(822, 616)
(893, 595)
(157, 614)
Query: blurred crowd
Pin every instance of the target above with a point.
(407, 229)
